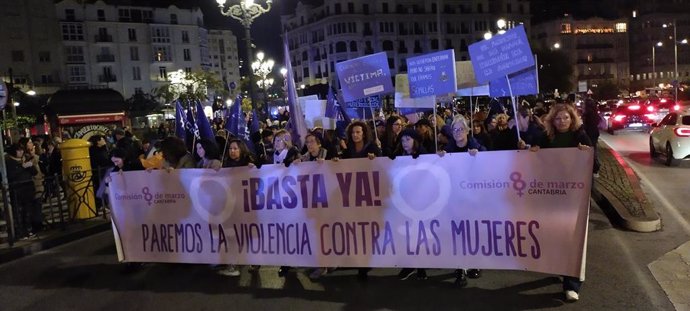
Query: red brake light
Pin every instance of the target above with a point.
(650, 108)
(618, 118)
(663, 100)
(682, 131)
(634, 107)
(650, 116)
(676, 107)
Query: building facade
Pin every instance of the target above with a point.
(31, 46)
(598, 49)
(130, 48)
(653, 23)
(224, 56)
(338, 30)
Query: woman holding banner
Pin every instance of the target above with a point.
(238, 154)
(208, 151)
(394, 125)
(360, 145)
(462, 142)
(410, 144)
(175, 154)
(564, 130)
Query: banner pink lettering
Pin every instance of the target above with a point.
(497, 210)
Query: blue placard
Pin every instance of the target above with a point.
(501, 55)
(523, 82)
(364, 76)
(432, 74)
(373, 101)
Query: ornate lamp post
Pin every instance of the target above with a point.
(245, 12)
(263, 68)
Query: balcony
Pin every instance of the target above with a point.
(103, 38)
(107, 78)
(105, 58)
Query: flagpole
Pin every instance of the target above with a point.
(435, 128)
(515, 112)
(373, 119)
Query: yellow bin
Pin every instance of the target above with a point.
(76, 169)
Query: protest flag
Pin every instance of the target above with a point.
(180, 121)
(297, 125)
(204, 127)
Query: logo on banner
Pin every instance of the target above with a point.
(543, 187)
(150, 198)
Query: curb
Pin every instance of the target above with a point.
(642, 217)
(14, 253)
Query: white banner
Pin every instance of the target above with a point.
(496, 210)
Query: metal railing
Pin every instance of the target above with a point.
(56, 207)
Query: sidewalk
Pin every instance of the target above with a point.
(619, 194)
(617, 191)
(52, 238)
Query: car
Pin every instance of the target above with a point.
(660, 107)
(671, 137)
(631, 116)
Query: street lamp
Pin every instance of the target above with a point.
(675, 56)
(245, 12)
(263, 68)
(659, 44)
(501, 23)
(556, 45)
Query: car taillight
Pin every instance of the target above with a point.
(634, 107)
(682, 131)
(663, 100)
(650, 108)
(650, 116)
(618, 118)
(676, 107)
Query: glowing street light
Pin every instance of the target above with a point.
(245, 12)
(487, 35)
(556, 45)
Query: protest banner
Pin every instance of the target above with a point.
(364, 76)
(501, 55)
(529, 212)
(523, 82)
(402, 95)
(432, 74)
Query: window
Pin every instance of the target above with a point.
(76, 74)
(188, 70)
(132, 34)
(17, 56)
(101, 15)
(509, 8)
(187, 55)
(340, 47)
(185, 36)
(685, 120)
(305, 72)
(44, 57)
(173, 19)
(46, 79)
(566, 28)
(353, 46)
(338, 8)
(148, 16)
(621, 27)
(387, 45)
(350, 7)
(384, 7)
(434, 44)
(365, 8)
(305, 56)
(123, 15)
(161, 53)
(74, 54)
(160, 35)
(136, 73)
(163, 73)
(69, 15)
(72, 32)
(134, 53)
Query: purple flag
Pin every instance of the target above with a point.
(297, 125)
(331, 105)
(236, 124)
(204, 127)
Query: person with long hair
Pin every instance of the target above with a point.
(564, 130)
(238, 154)
(394, 125)
(208, 151)
(175, 154)
(20, 173)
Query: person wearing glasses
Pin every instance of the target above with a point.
(463, 142)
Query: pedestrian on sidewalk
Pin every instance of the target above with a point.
(590, 123)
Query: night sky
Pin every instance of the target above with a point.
(266, 29)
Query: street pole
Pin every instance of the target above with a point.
(653, 66)
(675, 57)
(248, 65)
